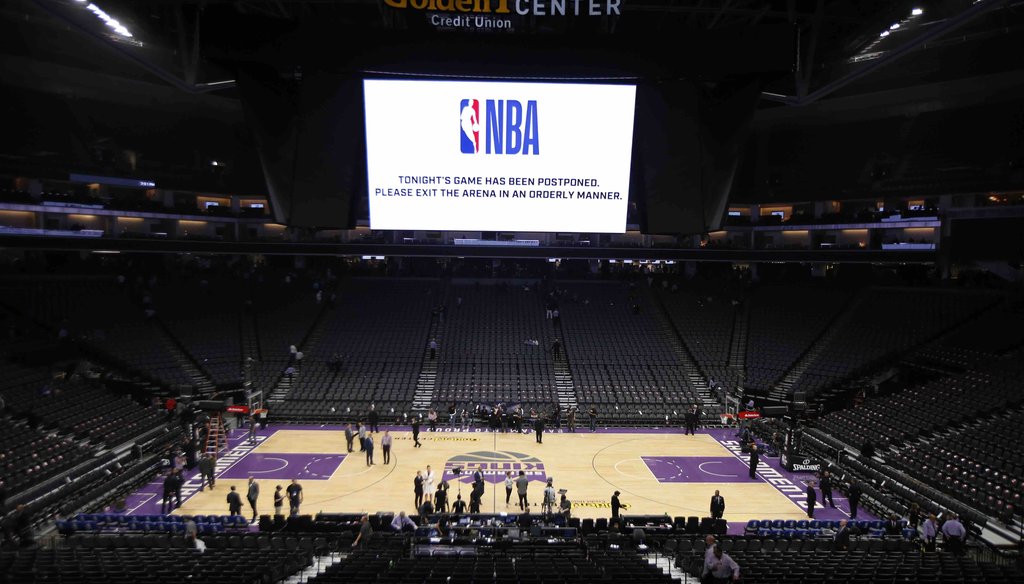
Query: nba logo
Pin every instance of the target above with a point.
(469, 118)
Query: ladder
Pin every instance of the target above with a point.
(217, 437)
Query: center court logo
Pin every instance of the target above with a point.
(507, 127)
(494, 465)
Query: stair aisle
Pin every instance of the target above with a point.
(782, 389)
(426, 382)
(201, 382)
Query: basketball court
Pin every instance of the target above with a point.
(656, 471)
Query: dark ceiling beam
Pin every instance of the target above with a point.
(737, 11)
(94, 32)
(718, 15)
(932, 33)
(803, 78)
(127, 245)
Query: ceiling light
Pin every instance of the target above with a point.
(884, 34)
(917, 12)
(895, 26)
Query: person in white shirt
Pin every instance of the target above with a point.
(929, 530)
(509, 484)
(720, 568)
(954, 534)
(428, 481)
(401, 521)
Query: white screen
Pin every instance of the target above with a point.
(572, 141)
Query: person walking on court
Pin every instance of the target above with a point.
(754, 459)
(294, 491)
(825, 484)
(373, 418)
(417, 489)
(251, 495)
(616, 505)
(369, 449)
(593, 418)
(432, 419)
(416, 433)
(522, 484)
(717, 506)
(854, 497)
(361, 431)
(571, 419)
(349, 436)
(207, 467)
(278, 500)
(538, 427)
(252, 429)
(167, 503)
(234, 502)
(812, 499)
(385, 444)
(691, 421)
(509, 484)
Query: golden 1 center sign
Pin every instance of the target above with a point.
(498, 14)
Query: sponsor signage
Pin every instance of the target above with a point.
(237, 409)
(749, 415)
(800, 463)
(501, 15)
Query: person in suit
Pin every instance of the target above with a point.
(417, 488)
(207, 467)
(234, 502)
(538, 427)
(368, 444)
(616, 505)
(717, 506)
(349, 437)
(167, 503)
(754, 459)
(853, 495)
(691, 421)
(374, 418)
(251, 495)
(416, 433)
(812, 499)
(842, 537)
(825, 484)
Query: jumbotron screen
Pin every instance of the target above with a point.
(498, 156)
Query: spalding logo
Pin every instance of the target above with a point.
(493, 465)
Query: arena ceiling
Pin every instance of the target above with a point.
(838, 47)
